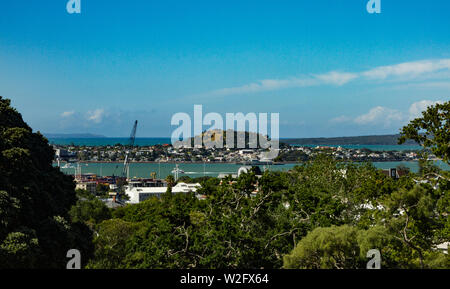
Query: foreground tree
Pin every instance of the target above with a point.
(432, 130)
(326, 248)
(89, 210)
(417, 219)
(35, 198)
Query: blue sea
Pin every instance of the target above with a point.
(373, 147)
(149, 141)
(144, 170)
(105, 141)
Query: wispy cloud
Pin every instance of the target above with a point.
(341, 119)
(96, 116)
(425, 85)
(385, 116)
(428, 69)
(379, 115)
(336, 78)
(265, 85)
(330, 78)
(408, 69)
(416, 109)
(67, 113)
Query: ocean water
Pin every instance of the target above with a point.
(142, 141)
(374, 147)
(165, 140)
(197, 170)
(143, 170)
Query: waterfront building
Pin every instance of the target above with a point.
(62, 154)
(394, 173)
(138, 192)
(91, 187)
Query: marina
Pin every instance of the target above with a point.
(193, 170)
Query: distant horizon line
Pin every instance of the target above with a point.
(89, 135)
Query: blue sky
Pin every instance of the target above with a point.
(327, 67)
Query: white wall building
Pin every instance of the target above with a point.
(91, 187)
(140, 194)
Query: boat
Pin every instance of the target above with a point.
(177, 170)
(67, 166)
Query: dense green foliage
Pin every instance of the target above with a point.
(35, 197)
(431, 130)
(323, 208)
(321, 214)
(89, 209)
(331, 247)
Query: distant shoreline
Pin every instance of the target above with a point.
(373, 140)
(229, 163)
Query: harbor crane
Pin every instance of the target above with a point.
(126, 163)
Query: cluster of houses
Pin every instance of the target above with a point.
(141, 189)
(341, 153)
(168, 153)
(158, 153)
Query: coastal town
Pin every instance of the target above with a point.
(169, 154)
(224, 144)
(139, 189)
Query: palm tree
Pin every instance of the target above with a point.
(170, 181)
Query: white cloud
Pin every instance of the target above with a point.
(377, 116)
(67, 113)
(424, 85)
(385, 116)
(96, 116)
(266, 85)
(341, 119)
(336, 78)
(426, 69)
(330, 78)
(408, 69)
(416, 109)
(380, 115)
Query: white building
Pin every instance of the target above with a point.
(91, 187)
(443, 247)
(140, 194)
(244, 170)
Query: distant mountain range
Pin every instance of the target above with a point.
(352, 140)
(73, 135)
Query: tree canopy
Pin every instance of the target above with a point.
(320, 214)
(35, 197)
(432, 130)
